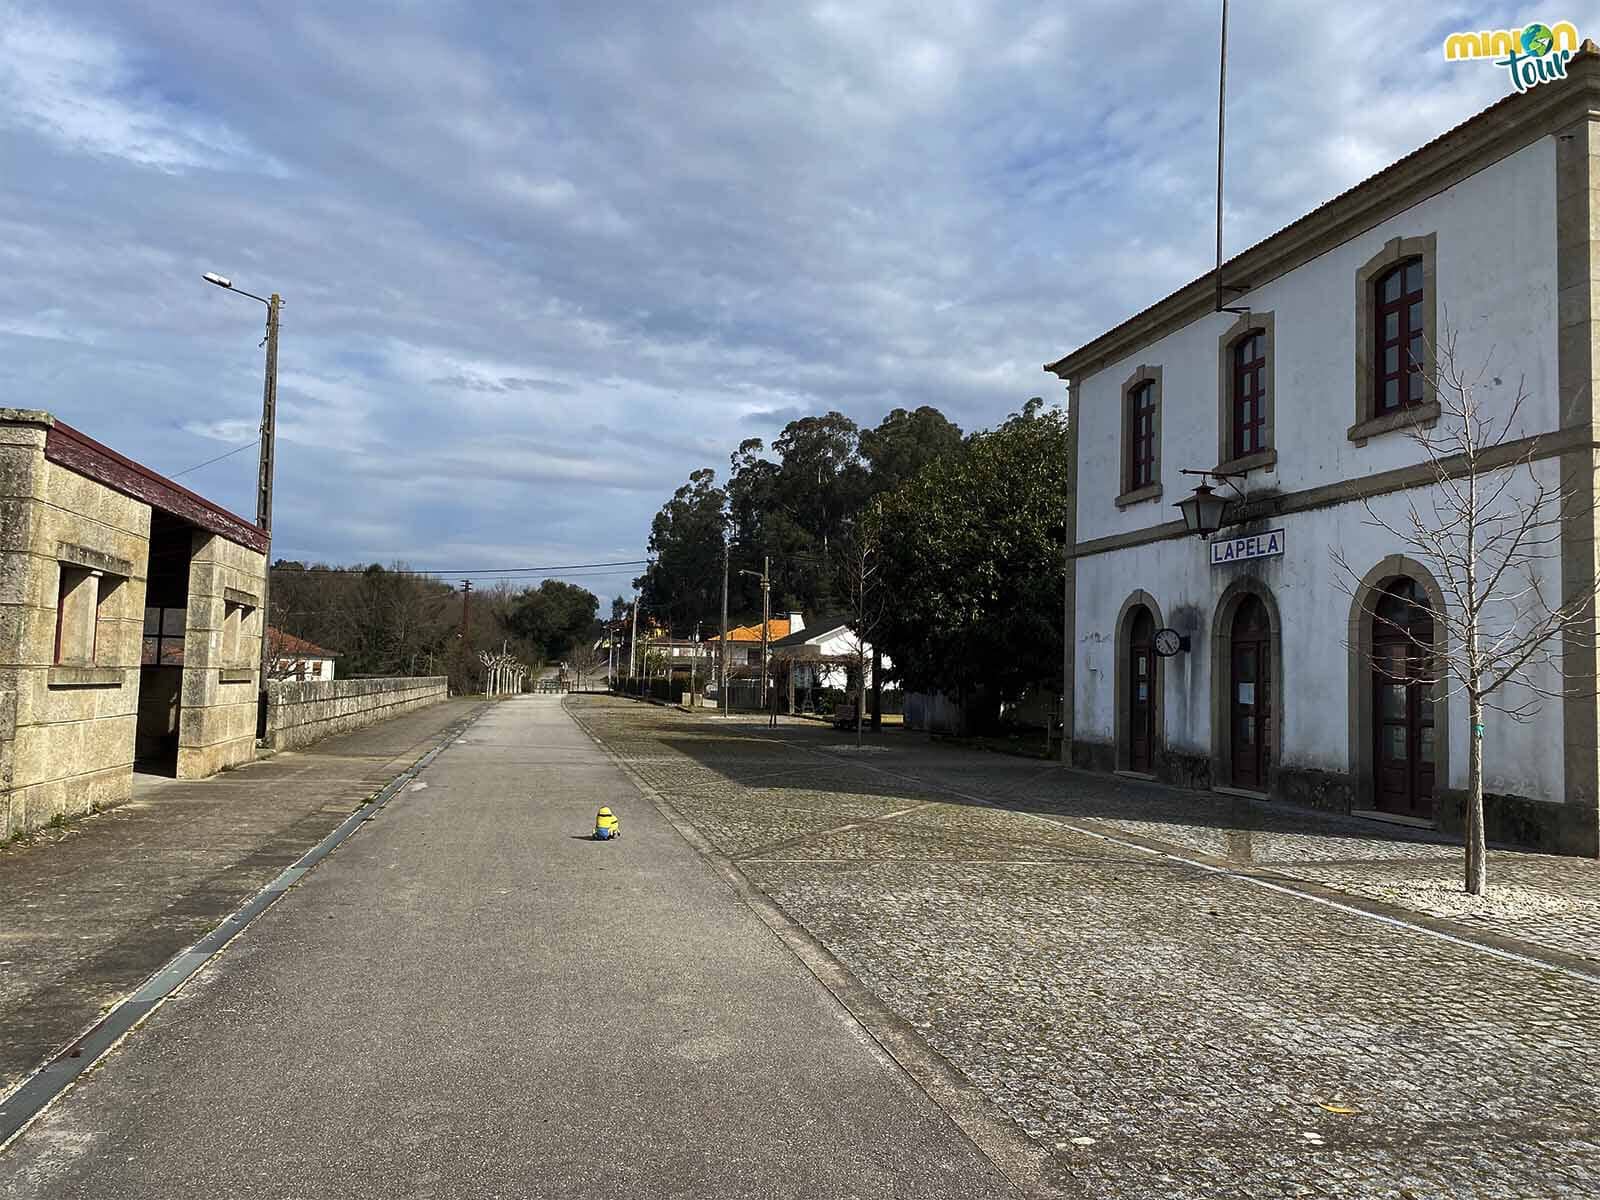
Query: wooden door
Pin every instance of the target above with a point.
(1142, 692)
(1250, 695)
(1402, 702)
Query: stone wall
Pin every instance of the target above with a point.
(221, 666)
(67, 729)
(299, 713)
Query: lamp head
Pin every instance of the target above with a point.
(219, 280)
(1202, 511)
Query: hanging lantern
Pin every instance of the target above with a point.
(1202, 511)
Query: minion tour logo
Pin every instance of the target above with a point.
(1533, 55)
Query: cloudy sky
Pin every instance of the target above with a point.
(540, 260)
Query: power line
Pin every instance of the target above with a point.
(217, 459)
(483, 573)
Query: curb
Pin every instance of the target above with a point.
(29, 1100)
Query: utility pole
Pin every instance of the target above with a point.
(269, 424)
(466, 611)
(694, 663)
(722, 646)
(633, 638)
(765, 575)
(766, 622)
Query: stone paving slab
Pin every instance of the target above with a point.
(87, 912)
(1163, 1029)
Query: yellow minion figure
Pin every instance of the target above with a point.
(606, 826)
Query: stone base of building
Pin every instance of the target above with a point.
(1093, 756)
(1329, 791)
(27, 809)
(1182, 769)
(1517, 821)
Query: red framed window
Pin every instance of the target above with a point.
(1142, 435)
(1397, 370)
(1250, 393)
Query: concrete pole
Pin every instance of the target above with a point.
(633, 638)
(269, 424)
(766, 621)
(722, 646)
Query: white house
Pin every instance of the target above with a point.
(823, 655)
(1262, 678)
(295, 658)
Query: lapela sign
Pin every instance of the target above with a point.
(1252, 545)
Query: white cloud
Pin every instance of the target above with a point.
(79, 89)
(541, 261)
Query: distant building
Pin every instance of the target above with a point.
(130, 625)
(823, 655)
(744, 641)
(293, 657)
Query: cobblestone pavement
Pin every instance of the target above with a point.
(1163, 1028)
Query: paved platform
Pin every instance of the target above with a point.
(471, 998)
(87, 912)
(1167, 990)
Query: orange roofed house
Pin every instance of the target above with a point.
(295, 658)
(744, 641)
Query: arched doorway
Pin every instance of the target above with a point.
(1250, 695)
(1141, 691)
(1399, 696)
(1403, 749)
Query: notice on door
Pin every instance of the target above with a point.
(1254, 545)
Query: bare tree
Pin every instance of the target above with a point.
(1489, 529)
(583, 658)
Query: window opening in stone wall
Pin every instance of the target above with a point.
(1398, 338)
(1142, 436)
(1250, 393)
(77, 616)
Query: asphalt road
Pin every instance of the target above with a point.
(470, 998)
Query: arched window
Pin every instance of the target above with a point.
(1250, 393)
(1399, 354)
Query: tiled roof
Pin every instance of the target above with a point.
(821, 629)
(287, 643)
(777, 628)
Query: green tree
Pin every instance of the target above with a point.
(554, 617)
(971, 550)
(794, 509)
(904, 443)
(683, 583)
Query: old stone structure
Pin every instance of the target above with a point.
(300, 712)
(130, 625)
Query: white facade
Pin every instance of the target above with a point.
(307, 666)
(813, 658)
(1503, 210)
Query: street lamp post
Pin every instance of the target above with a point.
(765, 576)
(269, 419)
